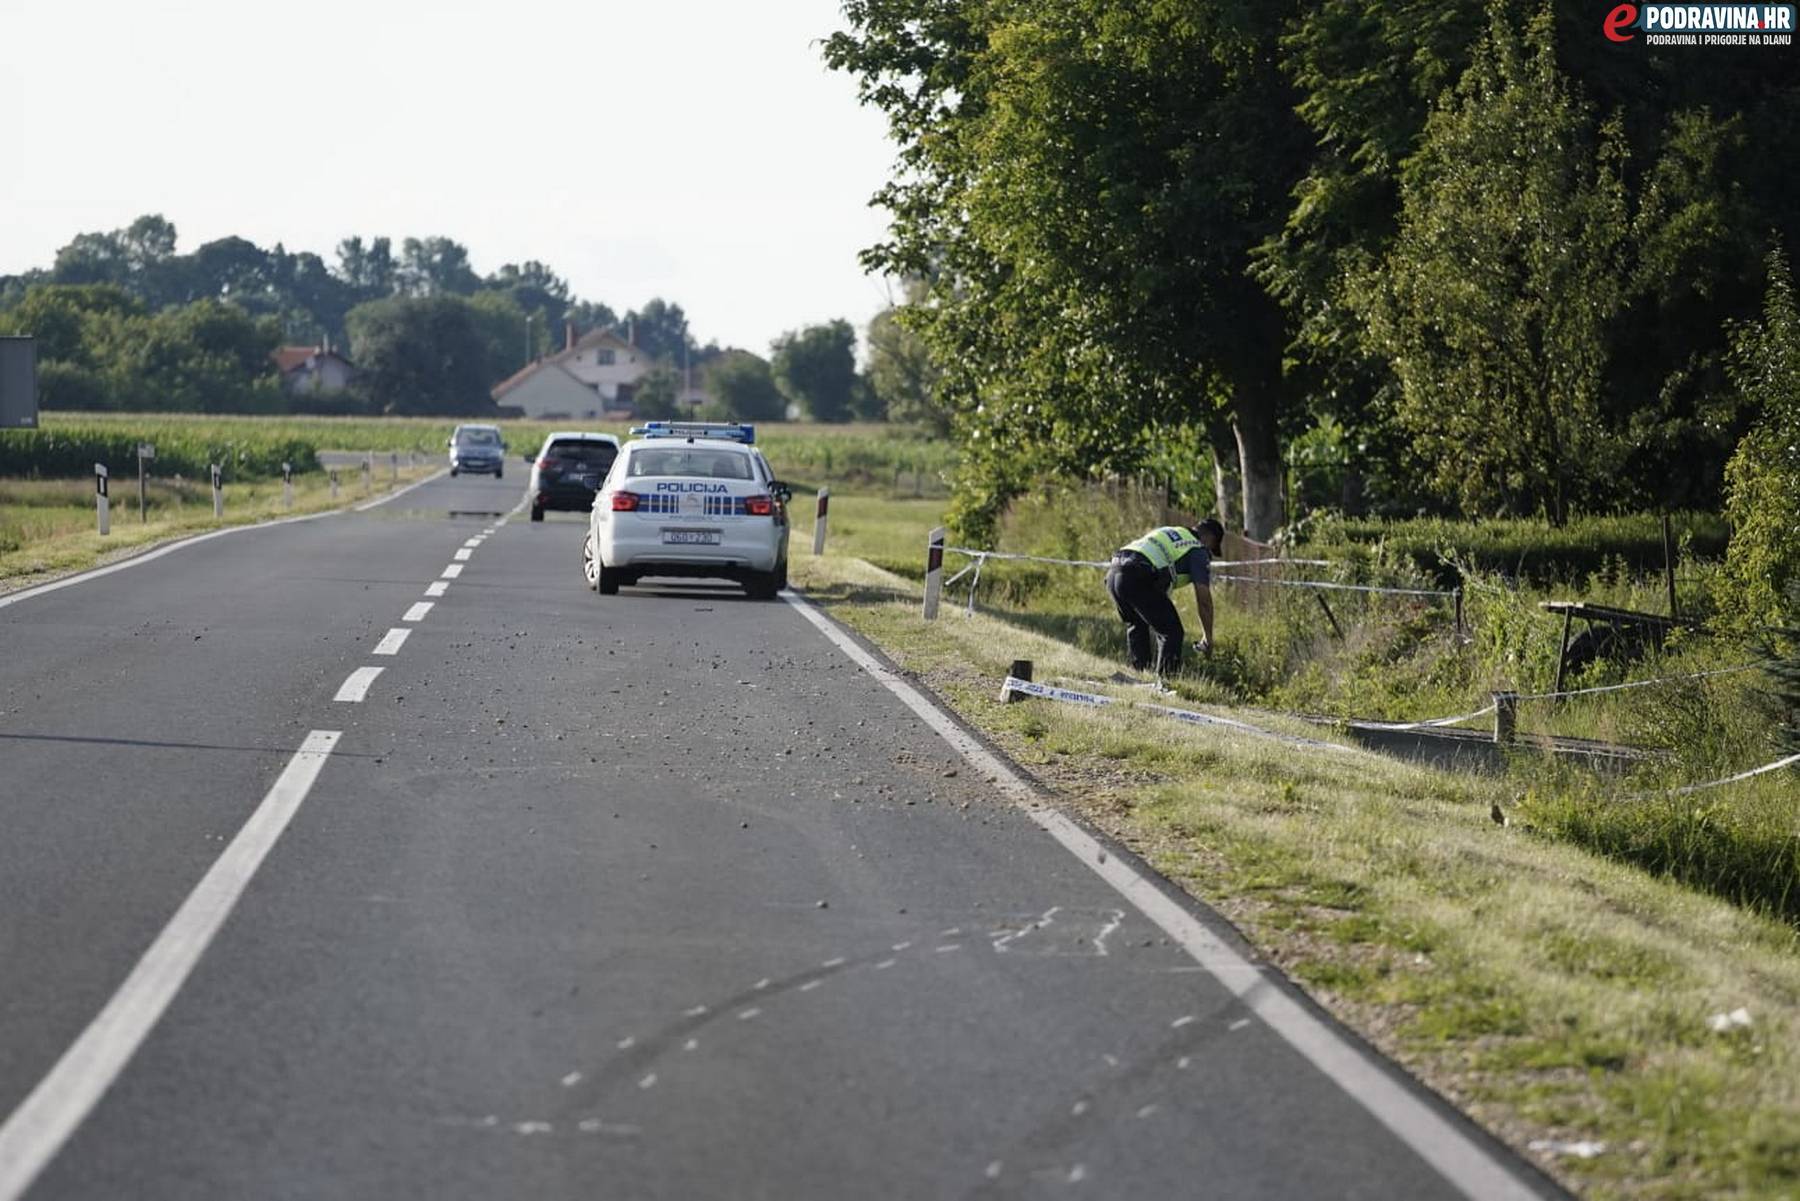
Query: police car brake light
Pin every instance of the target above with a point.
(624, 502)
(759, 506)
(739, 431)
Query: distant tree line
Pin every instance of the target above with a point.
(125, 322)
(1487, 259)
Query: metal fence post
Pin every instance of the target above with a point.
(1506, 717)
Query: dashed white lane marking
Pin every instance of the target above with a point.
(994, 1169)
(695, 1012)
(473, 543)
(417, 612)
(1077, 1109)
(1239, 1024)
(761, 984)
(1434, 1137)
(462, 554)
(900, 946)
(571, 1080)
(840, 961)
(885, 964)
(692, 1044)
(1183, 1062)
(810, 985)
(452, 571)
(1179, 1022)
(749, 1013)
(38, 1128)
(437, 587)
(356, 687)
(648, 1081)
(392, 641)
(1145, 1112)
(955, 946)
(628, 1042)
(530, 1128)
(1078, 1173)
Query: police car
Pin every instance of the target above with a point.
(688, 498)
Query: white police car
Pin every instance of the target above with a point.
(689, 499)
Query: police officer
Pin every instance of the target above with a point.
(1140, 579)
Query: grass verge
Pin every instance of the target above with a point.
(1556, 996)
(48, 527)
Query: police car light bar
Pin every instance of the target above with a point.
(730, 431)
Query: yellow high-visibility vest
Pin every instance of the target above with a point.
(1165, 547)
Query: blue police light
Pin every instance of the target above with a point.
(729, 431)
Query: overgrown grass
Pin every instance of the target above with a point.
(1553, 994)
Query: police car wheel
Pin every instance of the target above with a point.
(761, 585)
(607, 580)
(453, 473)
(499, 475)
(590, 566)
(537, 514)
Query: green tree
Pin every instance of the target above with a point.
(68, 320)
(657, 395)
(206, 357)
(815, 367)
(435, 267)
(500, 324)
(744, 388)
(1495, 301)
(901, 372)
(1762, 561)
(660, 328)
(1084, 182)
(421, 355)
(369, 270)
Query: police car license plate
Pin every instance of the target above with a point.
(691, 537)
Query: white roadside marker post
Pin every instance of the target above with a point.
(287, 485)
(934, 572)
(819, 521)
(218, 483)
(394, 465)
(102, 505)
(368, 472)
(334, 483)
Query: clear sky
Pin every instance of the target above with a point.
(696, 150)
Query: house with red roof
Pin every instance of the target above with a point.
(591, 377)
(308, 369)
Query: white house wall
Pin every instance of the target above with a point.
(553, 393)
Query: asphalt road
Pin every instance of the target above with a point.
(650, 896)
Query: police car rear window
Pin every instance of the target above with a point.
(691, 461)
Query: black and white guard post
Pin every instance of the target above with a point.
(146, 452)
(334, 482)
(934, 572)
(819, 521)
(102, 505)
(368, 472)
(394, 465)
(218, 483)
(287, 485)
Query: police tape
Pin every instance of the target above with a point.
(1434, 723)
(1696, 675)
(1190, 717)
(1777, 765)
(980, 557)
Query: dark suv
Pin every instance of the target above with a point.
(477, 448)
(567, 472)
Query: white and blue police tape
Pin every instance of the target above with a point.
(1187, 716)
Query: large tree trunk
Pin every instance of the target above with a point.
(1227, 479)
(1259, 452)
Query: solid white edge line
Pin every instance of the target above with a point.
(452, 571)
(1439, 1142)
(356, 685)
(417, 612)
(82, 577)
(366, 505)
(392, 641)
(437, 587)
(462, 554)
(13, 598)
(38, 1128)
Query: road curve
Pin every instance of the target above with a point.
(658, 895)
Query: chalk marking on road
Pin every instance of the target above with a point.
(356, 685)
(38, 1128)
(1435, 1138)
(462, 554)
(418, 611)
(392, 641)
(452, 571)
(437, 587)
(366, 505)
